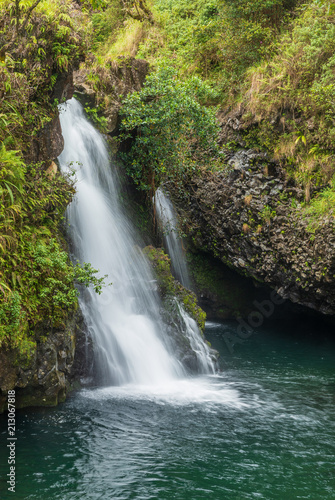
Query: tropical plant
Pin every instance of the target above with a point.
(171, 127)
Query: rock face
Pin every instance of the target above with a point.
(245, 217)
(119, 78)
(49, 142)
(64, 87)
(46, 377)
(222, 293)
(174, 295)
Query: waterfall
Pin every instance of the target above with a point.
(173, 243)
(121, 319)
(204, 355)
(125, 322)
(168, 223)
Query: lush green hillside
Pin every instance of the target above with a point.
(269, 62)
(214, 39)
(272, 60)
(38, 46)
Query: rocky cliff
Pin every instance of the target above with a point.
(245, 216)
(45, 378)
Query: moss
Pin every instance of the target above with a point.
(161, 265)
(169, 287)
(229, 294)
(190, 303)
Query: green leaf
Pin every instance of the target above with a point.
(10, 193)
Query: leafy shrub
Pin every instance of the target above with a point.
(36, 276)
(172, 129)
(106, 23)
(45, 42)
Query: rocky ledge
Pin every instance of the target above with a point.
(50, 372)
(113, 82)
(251, 217)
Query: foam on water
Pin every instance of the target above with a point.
(198, 390)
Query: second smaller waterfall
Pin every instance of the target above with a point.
(188, 327)
(172, 240)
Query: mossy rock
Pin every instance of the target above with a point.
(223, 293)
(169, 287)
(42, 378)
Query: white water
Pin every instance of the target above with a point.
(206, 391)
(168, 222)
(124, 320)
(172, 240)
(198, 346)
(120, 319)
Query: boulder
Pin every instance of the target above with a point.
(46, 375)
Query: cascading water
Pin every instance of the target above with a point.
(125, 319)
(168, 222)
(173, 243)
(203, 353)
(120, 319)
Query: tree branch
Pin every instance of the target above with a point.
(142, 10)
(35, 4)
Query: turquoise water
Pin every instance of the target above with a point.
(263, 429)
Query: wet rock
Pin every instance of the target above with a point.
(258, 232)
(48, 143)
(64, 88)
(47, 375)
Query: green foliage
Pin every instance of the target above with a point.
(51, 273)
(214, 39)
(36, 276)
(45, 42)
(322, 205)
(97, 119)
(162, 267)
(296, 92)
(106, 23)
(267, 214)
(171, 127)
(38, 41)
(10, 311)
